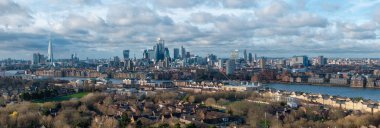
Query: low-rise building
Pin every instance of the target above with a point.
(316, 80)
(340, 81)
(358, 81)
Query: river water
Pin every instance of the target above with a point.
(366, 93)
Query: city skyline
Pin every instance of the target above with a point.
(275, 28)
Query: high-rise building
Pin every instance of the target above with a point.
(321, 60)
(250, 57)
(166, 53)
(159, 50)
(245, 55)
(255, 59)
(38, 59)
(126, 54)
(183, 52)
(234, 55)
(151, 54)
(230, 67)
(50, 52)
(262, 62)
(299, 60)
(188, 55)
(176, 53)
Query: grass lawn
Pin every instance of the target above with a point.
(62, 98)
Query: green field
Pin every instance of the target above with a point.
(62, 98)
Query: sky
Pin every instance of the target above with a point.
(273, 28)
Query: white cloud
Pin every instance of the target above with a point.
(204, 26)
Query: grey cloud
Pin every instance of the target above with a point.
(302, 20)
(89, 2)
(201, 18)
(376, 15)
(135, 16)
(13, 15)
(176, 3)
(239, 3)
(360, 35)
(274, 10)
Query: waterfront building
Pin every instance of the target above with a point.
(339, 81)
(301, 79)
(377, 84)
(316, 80)
(376, 72)
(371, 80)
(358, 81)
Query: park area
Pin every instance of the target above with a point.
(62, 98)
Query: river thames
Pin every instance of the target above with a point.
(366, 93)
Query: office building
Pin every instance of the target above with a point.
(230, 67)
(183, 52)
(321, 60)
(126, 54)
(245, 55)
(234, 55)
(262, 62)
(159, 50)
(299, 60)
(250, 57)
(38, 59)
(166, 53)
(50, 52)
(176, 53)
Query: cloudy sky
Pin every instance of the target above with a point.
(103, 28)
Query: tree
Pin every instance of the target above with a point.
(210, 102)
(124, 120)
(191, 99)
(108, 101)
(191, 125)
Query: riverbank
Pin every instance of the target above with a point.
(313, 84)
(366, 93)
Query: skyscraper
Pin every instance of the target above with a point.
(160, 49)
(245, 55)
(38, 59)
(299, 60)
(230, 67)
(126, 54)
(50, 52)
(250, 57)
(262, 62)
(321, 60)
(183, 52)
(166, 53)
(176, 53)
(234, 55)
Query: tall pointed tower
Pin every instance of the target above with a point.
(50, 51)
